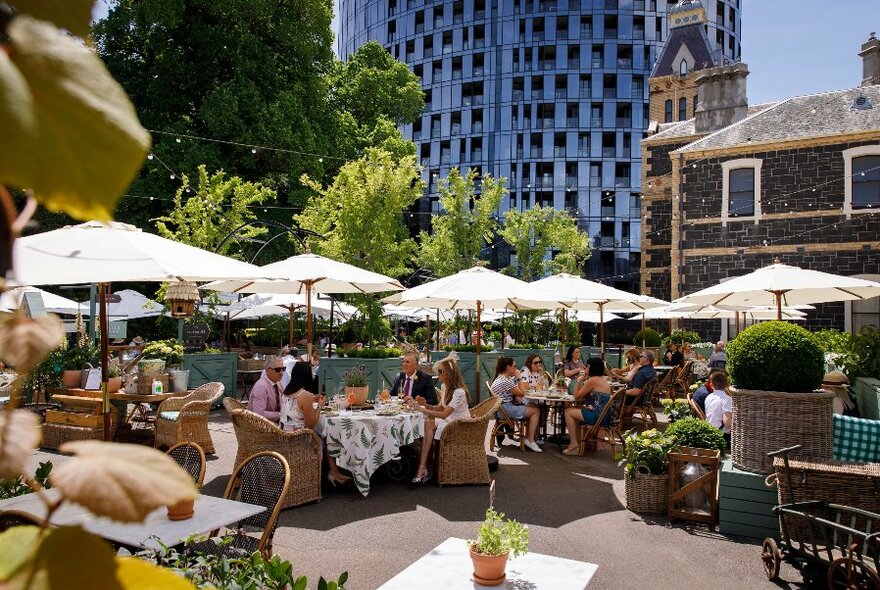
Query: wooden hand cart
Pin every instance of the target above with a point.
(820, 533)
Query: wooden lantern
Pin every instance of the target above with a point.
(181, 298)
(706, 483)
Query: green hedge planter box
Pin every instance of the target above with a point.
(745, 504)
(467, 362)
(206, 368)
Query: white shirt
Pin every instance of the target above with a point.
(289, 361)
(717, 403)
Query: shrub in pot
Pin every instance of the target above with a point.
(695, 433)
(777, 366)
(651, 338)
(496, 538)
(73, 361)
(647, 481)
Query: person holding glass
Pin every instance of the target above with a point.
(595, 390)
(632, 365)
(300, 408)
(572, 366)
(452, 407)
(533, 375)
(511, 391)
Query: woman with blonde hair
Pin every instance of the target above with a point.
(453, 406)
(632, 365)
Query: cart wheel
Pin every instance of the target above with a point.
(849, 574)
(771, 557)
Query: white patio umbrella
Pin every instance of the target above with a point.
(709, 312)
(132, 305)
(97, 252)
(780, 285)
(13, 298)
(592, 296)
(590, 317)
(310, 273)
(478, 288)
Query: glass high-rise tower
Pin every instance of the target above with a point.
(551, 94)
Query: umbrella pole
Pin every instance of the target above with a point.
(428, 335)
(437, 339)
(602, 330)
(643, 330)
(226, 330)
(105, 361)
(330, 335)
(479, 346)
(563, 330)
(778, 305)
(309, 319)
(290, 326)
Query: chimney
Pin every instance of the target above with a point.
(870, 54)
(722, 97)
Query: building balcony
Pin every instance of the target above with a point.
(622, 181)
(583, 152)
(596, 121)
(561, 93)
(574, 64)
(624, 63)
(571, 122)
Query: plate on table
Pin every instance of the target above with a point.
(387, 412)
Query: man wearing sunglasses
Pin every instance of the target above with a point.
(265, 397)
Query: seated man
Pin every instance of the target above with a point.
(704, 390)
(673, 356)
(265, 397)
(719, 406)
(718, 359)
(645, 373)
(412, 382)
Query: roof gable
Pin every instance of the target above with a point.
(693, 38)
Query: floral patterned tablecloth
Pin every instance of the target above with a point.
(364, 441)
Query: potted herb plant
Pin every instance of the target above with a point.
(355, 380)
(160, 354)
(114, 383)
(496, 538)
(73, 361)
(647, 480)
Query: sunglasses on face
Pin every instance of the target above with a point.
(537, 363)
(277, 369)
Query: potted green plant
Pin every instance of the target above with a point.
(114, 382)
(777, 367)
(647, 481)
(73, 361)
(496, 538)
(676, 409)
(355, 381)
(158, 355)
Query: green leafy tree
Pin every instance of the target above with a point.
(539, 232)
(466, 225)
(372, 84)
(218, 206)
(360, 214)
(233, 70)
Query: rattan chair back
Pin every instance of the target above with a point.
(590, 432)
(13, 518)
(461, 457)
(682, 382)
(262, 479)
(665, 385)
(191, 457)
(695, 407)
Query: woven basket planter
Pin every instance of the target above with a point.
(766, 421)
(647, 494)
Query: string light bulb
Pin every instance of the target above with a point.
(150, 156)
(253, 150)
(177, 139)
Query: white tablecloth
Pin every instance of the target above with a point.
(364, 441)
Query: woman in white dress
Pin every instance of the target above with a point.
(451, 408)
(300, 408)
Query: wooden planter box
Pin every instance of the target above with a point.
(679, 507)
(208, 368)
(745, 505)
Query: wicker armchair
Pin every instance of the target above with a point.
(185, 419)
(462, 455)
(301, 449)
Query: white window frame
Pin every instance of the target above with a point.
(848, 156)
(848, 305)
(726, 167)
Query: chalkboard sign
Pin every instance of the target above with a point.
(196, 332)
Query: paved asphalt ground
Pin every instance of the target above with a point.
(574, 506)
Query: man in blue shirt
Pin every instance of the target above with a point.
(645, 373)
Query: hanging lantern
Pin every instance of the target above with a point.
(181, 299)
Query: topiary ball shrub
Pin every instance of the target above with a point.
(652, 338)
(692, 432)
(776, 356)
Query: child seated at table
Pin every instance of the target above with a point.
(595, 391)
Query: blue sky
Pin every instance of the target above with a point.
(796, 47)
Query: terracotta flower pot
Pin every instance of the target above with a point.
(489, 569)
(360, 394)
(181, 510)
(71, 378)
(114, 384)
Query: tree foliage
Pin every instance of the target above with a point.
(361, 212)
(466, 225)
(219, 206)
(539, 232)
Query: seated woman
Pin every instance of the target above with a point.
(298, 411)
(688, 354)
(533, 375)
(595, 391)
(632, 365)
(511, 391)
(451, 408)
(572, 365)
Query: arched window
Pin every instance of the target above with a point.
(683, 68)
(669, 111)
(682, 109)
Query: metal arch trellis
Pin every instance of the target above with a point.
(299, 233)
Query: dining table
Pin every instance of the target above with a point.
(156, 530)
(546, 399)
(364, 440)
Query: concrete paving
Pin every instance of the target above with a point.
(574, 506)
